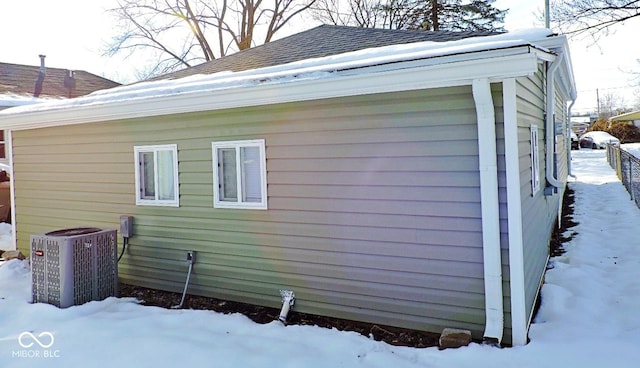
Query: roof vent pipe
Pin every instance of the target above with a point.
(40, 80)
(70, 81)
(42, 68)
(288, 299)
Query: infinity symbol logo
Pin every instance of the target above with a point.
(38, 341)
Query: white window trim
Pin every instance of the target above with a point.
(535, 160)
(217, 203)
(157, 202)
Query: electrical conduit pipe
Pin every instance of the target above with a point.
(191, 258)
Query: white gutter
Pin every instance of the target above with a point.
(253, 92)
(487, 152)
(550, 123)
(519, 319)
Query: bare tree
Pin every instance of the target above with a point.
(357, 13)
(181, 33)
(610, 104)
(476, 15)
(591, 17)
(636, 99)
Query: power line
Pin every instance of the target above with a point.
(607, 88)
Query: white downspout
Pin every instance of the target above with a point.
(487, 153)
(9, 144)
(569, 130)
(519, 318)
(550, 123)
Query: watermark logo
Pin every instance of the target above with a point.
(44, 339)
(36, 346)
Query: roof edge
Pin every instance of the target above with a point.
(491, 64)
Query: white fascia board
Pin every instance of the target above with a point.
(494, 65)
(560, 44)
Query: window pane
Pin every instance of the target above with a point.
(228, 174)
(147, 186)
(251, 188)
(166, 190)
(535, 161)
(2, 145)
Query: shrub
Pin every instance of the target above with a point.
(600, 125)
(624, 131)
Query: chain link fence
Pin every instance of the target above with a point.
(627, 166)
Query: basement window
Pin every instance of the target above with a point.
(157, 175)
(239, 174)
(535, 161)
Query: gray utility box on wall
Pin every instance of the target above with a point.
(74, 266)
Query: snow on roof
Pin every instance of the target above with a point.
(12, 100)
(319, 68)
(630, 116)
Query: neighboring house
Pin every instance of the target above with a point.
(413, 185)
(630, 117)
(42, 81)
(580, 124)
(26, 84)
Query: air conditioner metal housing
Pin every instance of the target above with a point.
(74, 266)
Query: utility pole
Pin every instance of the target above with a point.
(598, 101)
(547, 16)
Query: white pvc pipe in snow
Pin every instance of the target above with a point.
(288, 299)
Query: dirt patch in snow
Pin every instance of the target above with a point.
(391, 335)
(560, 233)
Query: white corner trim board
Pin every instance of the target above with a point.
(519, 320)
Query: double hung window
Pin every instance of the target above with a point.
(239, 174)
(157, 175)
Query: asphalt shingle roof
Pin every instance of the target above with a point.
(21, 80)
(325, 40)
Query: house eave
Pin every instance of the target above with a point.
(451, 70)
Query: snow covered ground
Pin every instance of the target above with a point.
(633, 148)
(590, 314)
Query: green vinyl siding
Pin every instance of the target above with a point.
(540, 211)
(373, 205)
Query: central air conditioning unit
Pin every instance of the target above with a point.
(74, 266)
